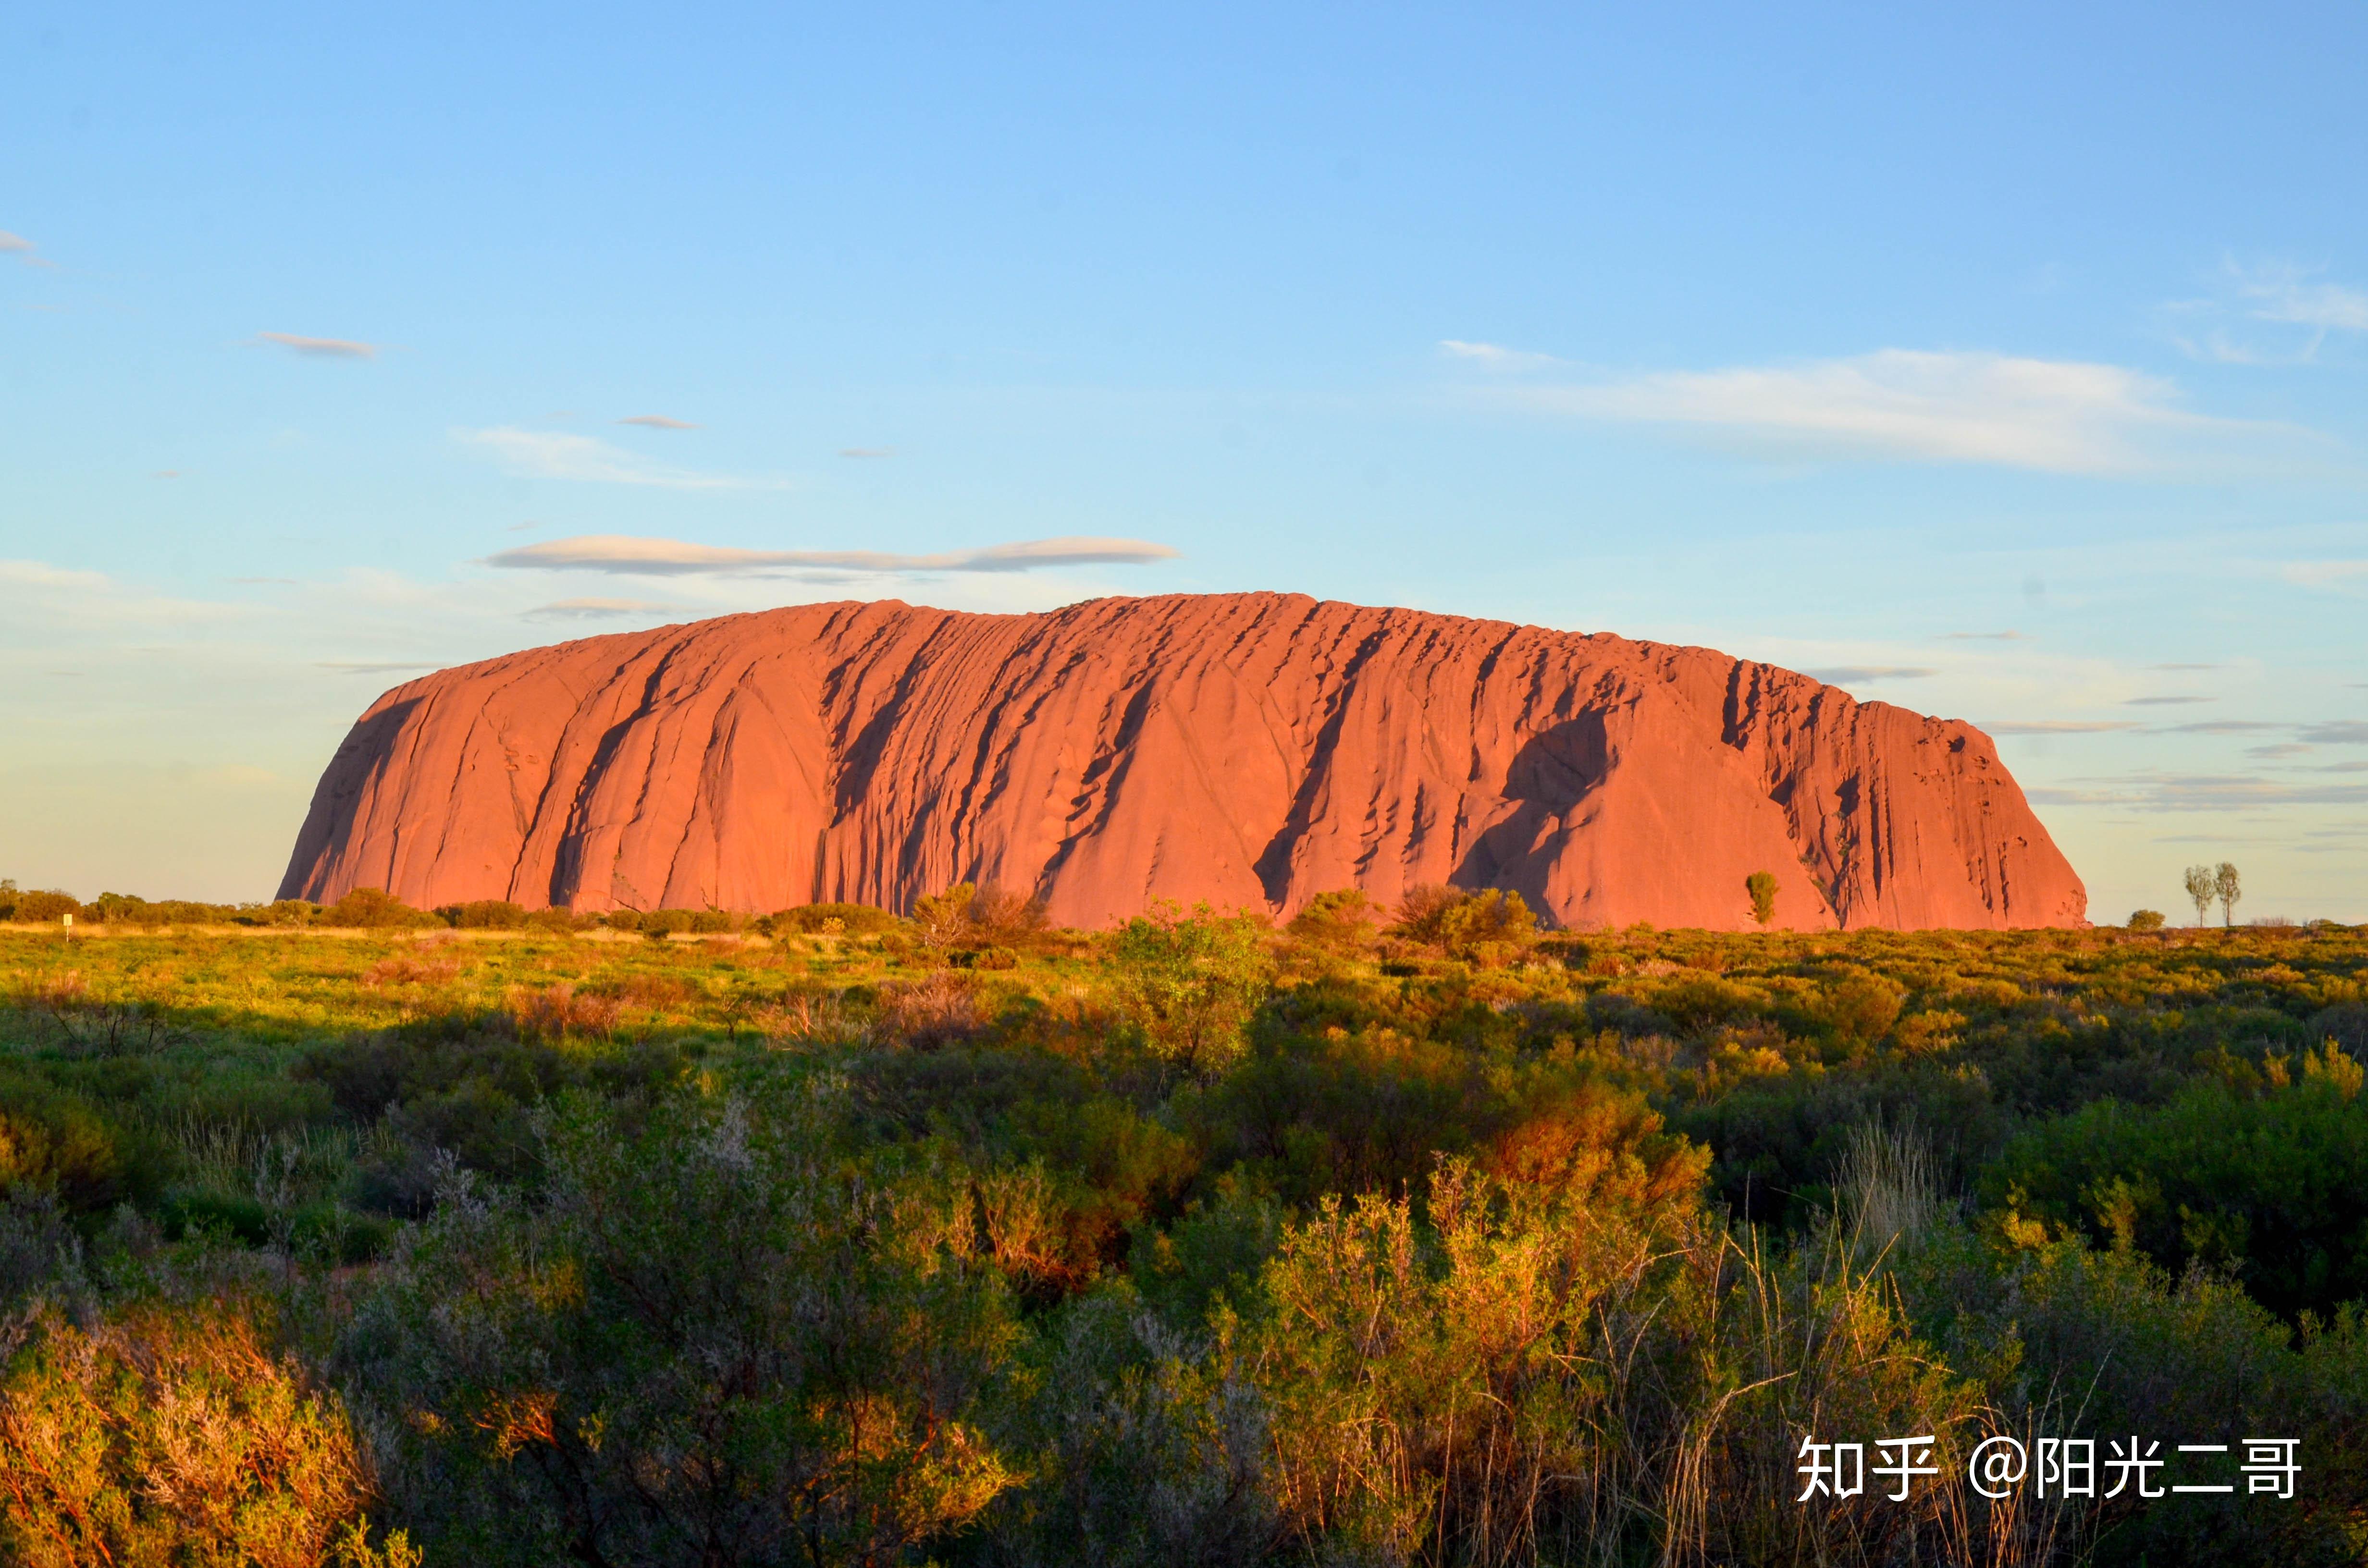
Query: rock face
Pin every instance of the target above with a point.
(1250, 750)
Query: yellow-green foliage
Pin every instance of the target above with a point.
(173, 1435)
(1196, 1241)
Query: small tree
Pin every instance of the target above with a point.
(2226, 888)
(2201, 889)
(1761, 886)
(2146, 920)
(1343, 921)
(944, 918)
(1190, 982)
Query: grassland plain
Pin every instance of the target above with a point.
(1404, 1236)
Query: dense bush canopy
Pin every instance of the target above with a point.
(1401, 1235)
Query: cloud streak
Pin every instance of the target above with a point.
(320, 347)
(1845, 674)
(2200, 792)
(2279, 294)
(1898, 404)
(625, 555)
(1495, 356)
(2060, 726)
(657, 422)
(599, 610)
(555, 454)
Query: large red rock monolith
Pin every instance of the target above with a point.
(1248, 750)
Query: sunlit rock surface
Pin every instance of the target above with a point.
(1248, 750)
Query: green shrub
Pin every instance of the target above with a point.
(58, 1142)
(715, 1328)
(1488, 928)
(1762, 886)
(1343, 921)
(851, 919)
(485, 914)
(1190, 983)
(2270, 1187)
(372, 909)
(46, 907)
(171, 1434)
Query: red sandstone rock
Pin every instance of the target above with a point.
(1250, 750)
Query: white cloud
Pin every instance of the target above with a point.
(21, 248)
(2059, 726)
(1985, 637)
(35, 574)
(667, 557)
(553, 454)
(601, 609)
(55, 598)
(2323, 574)
(2277, 292)
(321, 347)
(1494, 355)
(658, 422)
(1847, 675)
(867, 451)
(2062, 417)
(2198, 793)
(2280, 294)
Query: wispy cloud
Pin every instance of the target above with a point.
(2060, 726)
(2220, 727)
(37, 574)
(1846, 675)
(320, 347)
(658, 422)
(62, 598)
(867, 451)
(367, 668)
(2163, 701)
(667, 557)
(2199, 792)
(2184, 666)
(1495, 356)
(2279, 294)
(2323, 574)
(2337, 732)
(555, 454)
(601, 609)
(23, 249)
(1985, 637)
(2282, 294)
(2063, 416)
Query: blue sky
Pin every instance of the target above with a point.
(2004, 362)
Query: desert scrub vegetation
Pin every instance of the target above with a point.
(1398, 1235)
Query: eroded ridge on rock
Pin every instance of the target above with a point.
(1250, 750)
